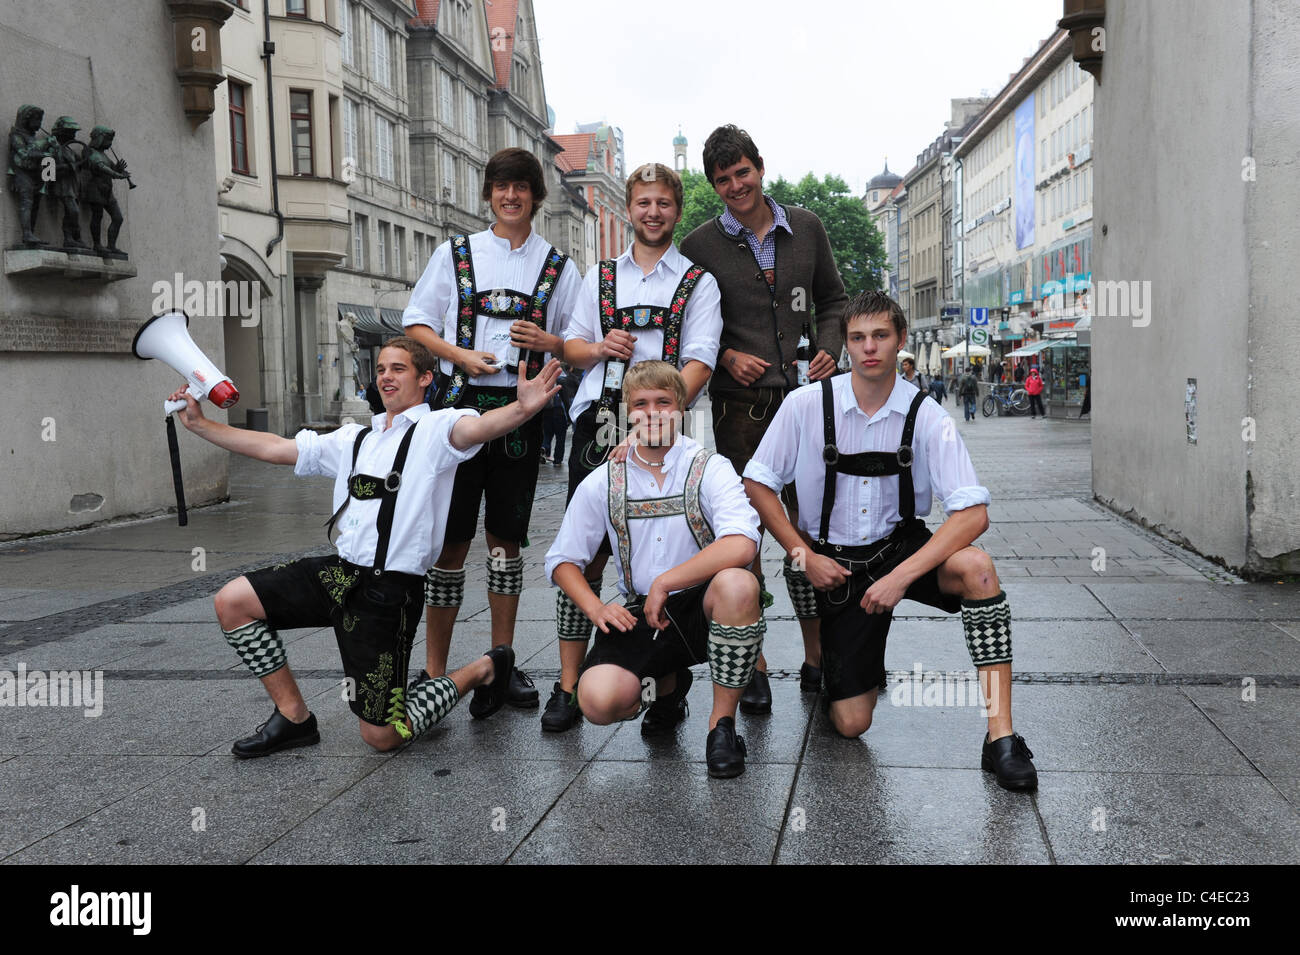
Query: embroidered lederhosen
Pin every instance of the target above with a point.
(622, 510)
(867, 464)
(665, 318)
(499, 303)
(367, 487)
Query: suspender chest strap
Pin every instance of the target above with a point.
(497, 303)
(687, 504)
(368, 487)
(866, 463)
(665, 318)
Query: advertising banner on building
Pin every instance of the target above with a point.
(1025, 173)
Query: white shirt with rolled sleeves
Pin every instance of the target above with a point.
(866, 509)
(701, 325)
(435, 300)
(420, 518)
(658, 543)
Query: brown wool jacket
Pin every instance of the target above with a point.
(763, 323)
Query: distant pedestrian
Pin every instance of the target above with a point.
(937, 391)
(1087, 400)
(1020, 372)
(911, 375)
(555, 419)
(968, 389)
(1034, 388)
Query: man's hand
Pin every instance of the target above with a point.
(614, 614)
(619, 454)
(476, 364)
(533, 394)
(824, 573)
(822, 366)
(192, 414)
(884, 594)
(746, 368)
(529, 337)
(617, 344)
(654, 605)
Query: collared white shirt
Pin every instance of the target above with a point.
(701, 325)
(658, 543)
(436, 303)
(866, 509)
(420, 517)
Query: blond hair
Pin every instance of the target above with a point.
(656, 376)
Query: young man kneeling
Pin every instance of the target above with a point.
(684, 535)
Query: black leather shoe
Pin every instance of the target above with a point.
(562, 712)
(491, 697)
(277, 733)
(757, 697)
(522, 693)
(668, 711)
(810, 678)
(724, 750)
(1009, 758)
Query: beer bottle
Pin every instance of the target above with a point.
(803, 354)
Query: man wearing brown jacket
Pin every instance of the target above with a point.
(775, 269)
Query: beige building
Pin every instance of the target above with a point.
(82, 434)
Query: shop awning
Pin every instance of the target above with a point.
(1028, 350)
(387, 322)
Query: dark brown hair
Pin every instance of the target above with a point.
(421, 357)
(515, 165)
(726, 146)
(873, 303)
(656, 172)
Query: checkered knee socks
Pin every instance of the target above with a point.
(570, 622)
(427, 703)
(505, 576)
(258, 646)
(988, 629)
(733, 652)
(444, 588)
(801, 591)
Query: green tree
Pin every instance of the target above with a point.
(858, 246)
(699, 203)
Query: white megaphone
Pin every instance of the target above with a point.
(165, 337)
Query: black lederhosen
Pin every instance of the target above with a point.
(374, 619)
(504, 471)
(853, 641)
(684, 644)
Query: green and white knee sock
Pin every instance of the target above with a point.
(258, 646)
(505, 576)
(987, 623)
(800, 589)
(426, 703)
(444, 588)
(570, 622)
(733, 652)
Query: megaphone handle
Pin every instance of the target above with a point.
(172, 406)
(182, 517)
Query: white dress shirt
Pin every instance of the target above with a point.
(420, 517)
(866, 509)
(435, 301)
(701, 325)
(658, 543)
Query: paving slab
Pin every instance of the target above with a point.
(417, 809)
(1266, 728)
(663, 813)
(1162, 601)
(1216, 646)
(1156, 818)
(214, 809)
(867, 814)
(1038, 646)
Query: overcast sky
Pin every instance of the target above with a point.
(845, 84)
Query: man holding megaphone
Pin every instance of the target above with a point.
(392, 488)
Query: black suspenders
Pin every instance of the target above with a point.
(366, 487)
(867, 463)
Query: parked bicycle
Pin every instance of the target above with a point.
(1012, 400)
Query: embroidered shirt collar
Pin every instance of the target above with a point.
(734, 226)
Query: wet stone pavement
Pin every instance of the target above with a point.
(1160, 695)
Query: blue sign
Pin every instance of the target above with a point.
(979, 316)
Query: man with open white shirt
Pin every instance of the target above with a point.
(684, 535)
(868, 453)
(483, 300)
(391, 492)
(649, 303)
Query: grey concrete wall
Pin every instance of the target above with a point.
(1273, 246)
(105, 63)
(1172, 127)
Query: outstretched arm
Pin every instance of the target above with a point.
(470, 430)
(254, 444)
